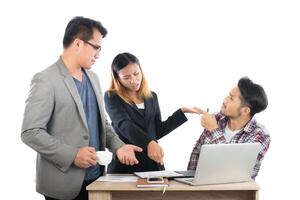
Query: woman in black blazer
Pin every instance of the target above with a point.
(135, 115)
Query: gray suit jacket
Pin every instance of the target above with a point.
(55, 126)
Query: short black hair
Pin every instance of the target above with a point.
(81, 27)
(252, 95)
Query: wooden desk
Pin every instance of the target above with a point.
(129, 191)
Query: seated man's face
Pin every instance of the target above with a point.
(231, 106)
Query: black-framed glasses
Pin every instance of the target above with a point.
(96, 47)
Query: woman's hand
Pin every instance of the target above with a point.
(189, 110)
(155, 152)
(208, 121)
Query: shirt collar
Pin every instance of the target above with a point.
(250, 126)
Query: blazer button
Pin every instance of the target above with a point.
(85, 137)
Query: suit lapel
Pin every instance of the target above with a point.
(136, 109)
(73, 90)
(98, 93)
(148, 110)
(138, 118)
(68, 79)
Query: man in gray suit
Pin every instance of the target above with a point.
(64, 120)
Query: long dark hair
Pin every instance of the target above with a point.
(119, 62)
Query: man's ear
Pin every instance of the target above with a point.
(246, 110)
(77, 43)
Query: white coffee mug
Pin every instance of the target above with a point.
(104, 157)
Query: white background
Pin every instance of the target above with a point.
(192, 53)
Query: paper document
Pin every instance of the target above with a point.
(164, 173)
(117, 178)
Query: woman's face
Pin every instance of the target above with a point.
(131, 77)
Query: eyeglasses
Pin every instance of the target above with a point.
(96, 47)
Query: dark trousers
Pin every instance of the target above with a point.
(83, 195)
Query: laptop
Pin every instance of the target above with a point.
(224, 163)
(186, 173)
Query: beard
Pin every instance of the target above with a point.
(233, 114)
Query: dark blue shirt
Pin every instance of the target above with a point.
(91, 110)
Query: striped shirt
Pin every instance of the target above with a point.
(251, 133)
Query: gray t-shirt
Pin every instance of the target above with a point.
(91, 110)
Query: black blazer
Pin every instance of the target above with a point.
(134, 127)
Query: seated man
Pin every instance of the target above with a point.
(235, 122)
